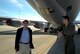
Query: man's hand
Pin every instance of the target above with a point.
(59, 33)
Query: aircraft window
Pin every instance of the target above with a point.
(69, 8)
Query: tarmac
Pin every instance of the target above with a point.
(44, 43)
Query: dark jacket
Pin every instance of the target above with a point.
(18, 37)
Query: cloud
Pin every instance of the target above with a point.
(16, 2)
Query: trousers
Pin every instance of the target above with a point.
(24, 49)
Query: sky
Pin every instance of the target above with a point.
(20, 9)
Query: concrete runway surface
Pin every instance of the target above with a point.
(43, 42)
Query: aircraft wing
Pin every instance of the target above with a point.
(17, 23)
(77, 22)
(4, 19)
(10, 22)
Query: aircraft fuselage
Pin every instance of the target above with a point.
(53, 10)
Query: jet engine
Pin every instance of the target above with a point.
(40, 25)
(14, 23)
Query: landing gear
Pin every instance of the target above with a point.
(45, 30)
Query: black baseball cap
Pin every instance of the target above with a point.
(65, 17)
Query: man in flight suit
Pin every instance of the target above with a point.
(68, 31)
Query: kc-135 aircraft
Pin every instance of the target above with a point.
(53, 10)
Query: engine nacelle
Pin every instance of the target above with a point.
(40, 25)
(13, 23)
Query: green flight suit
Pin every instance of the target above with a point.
(68, 33)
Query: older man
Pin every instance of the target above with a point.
(23, 40)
